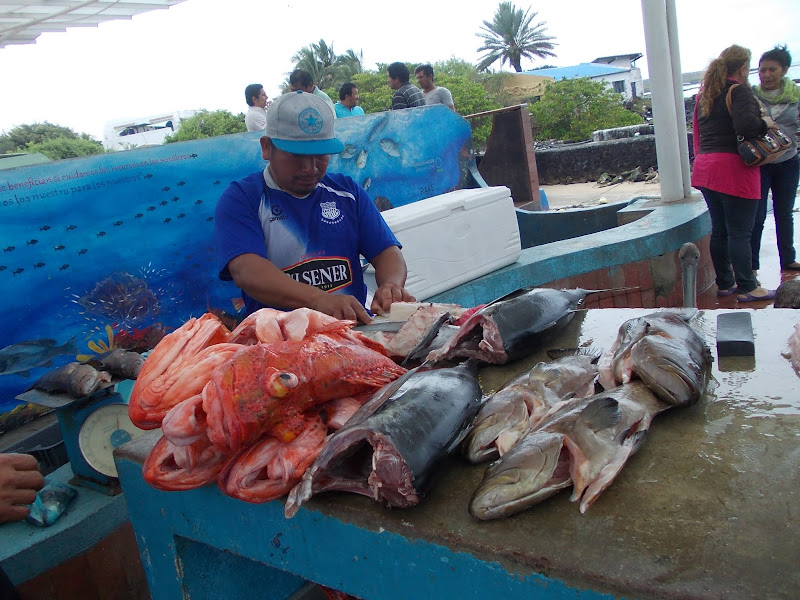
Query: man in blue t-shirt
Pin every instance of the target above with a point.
(292, 235)
(347, 106)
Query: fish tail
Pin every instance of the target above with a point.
(70, 346)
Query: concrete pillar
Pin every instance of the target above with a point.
(666, 91)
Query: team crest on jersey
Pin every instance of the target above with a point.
(330, 212)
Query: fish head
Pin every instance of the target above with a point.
(85, 379)
(674, 370)
(503, 412)
(532, 471)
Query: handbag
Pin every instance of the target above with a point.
(763, 149)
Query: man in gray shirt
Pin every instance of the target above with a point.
(433, 94)
(406, 95)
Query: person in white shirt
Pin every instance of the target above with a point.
(433, 94)
(257, 99)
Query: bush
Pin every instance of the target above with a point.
(65, 147)
(206, 124)
(571, 109)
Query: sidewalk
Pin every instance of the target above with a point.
(585, 195)
(582, 195)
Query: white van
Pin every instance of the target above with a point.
(125, 134)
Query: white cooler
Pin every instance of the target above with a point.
(453, 238)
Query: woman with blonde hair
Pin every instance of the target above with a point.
(781, 98)
(731, 189)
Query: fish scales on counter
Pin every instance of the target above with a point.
(665, 352)
(512, 326)
(582, 442)
(520, 404)
(76, 379)
(392, 445)
(264, 389)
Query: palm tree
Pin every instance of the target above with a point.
(328, 69)
(315, 58)
(510, 37)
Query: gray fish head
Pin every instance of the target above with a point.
(509, 412)
(532, 471)
(84, 379)
(675, 371)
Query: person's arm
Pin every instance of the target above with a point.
(746, 113)
(447, 99)
(20, 479)
(265, 282)
(390, 275)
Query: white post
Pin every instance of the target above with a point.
(677, 86)
(664, 96)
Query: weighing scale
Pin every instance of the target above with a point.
(91, 427)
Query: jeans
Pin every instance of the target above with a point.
(731, 225)
(782, 179)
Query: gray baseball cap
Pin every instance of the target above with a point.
(302, 123)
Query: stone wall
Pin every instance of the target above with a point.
(582, 162)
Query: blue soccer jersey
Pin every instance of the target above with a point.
(316, 240)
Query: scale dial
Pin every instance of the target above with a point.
(103, 430)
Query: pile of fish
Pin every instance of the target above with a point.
(657, 362)
(251, 406)
(301, 403)
(83, 379)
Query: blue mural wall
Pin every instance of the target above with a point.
(117, 249)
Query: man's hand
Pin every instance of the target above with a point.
(20, 479)
(386, 295)
(341, 306)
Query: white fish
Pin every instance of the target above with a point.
(349, 151)
(390, 147)
(361, 159)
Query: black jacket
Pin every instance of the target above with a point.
(718, 130)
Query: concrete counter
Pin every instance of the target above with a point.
(707, 509)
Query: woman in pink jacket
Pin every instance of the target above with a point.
(730, 188)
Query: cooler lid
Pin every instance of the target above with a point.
(442, 206)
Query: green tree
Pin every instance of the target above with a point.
(571, 109)
(460, 77)
(510, 37)
(54, 141)
(206, 124)
(66, 147)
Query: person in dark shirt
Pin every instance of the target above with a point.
(406, 95)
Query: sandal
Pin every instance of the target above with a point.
(770, 295)
(728, 292)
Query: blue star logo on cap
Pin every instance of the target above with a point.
(310, 121)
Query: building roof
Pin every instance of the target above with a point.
(610, 59)
(22, 21)
(575, 71)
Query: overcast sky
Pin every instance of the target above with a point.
(202, 53)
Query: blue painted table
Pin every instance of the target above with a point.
(707, 509)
